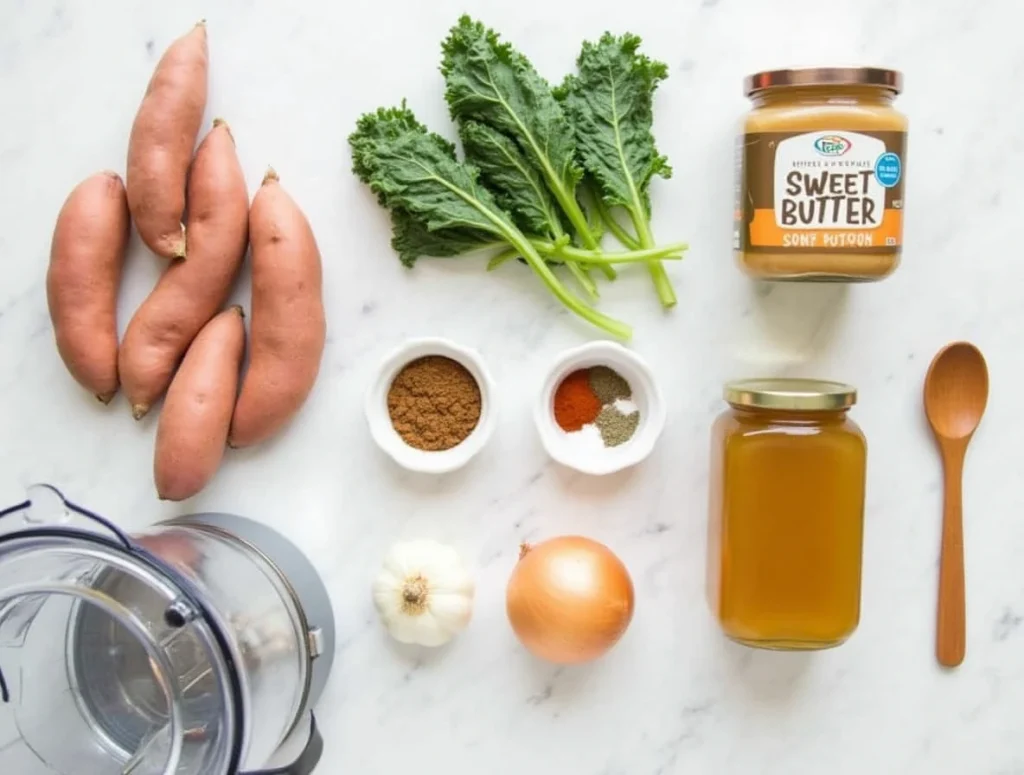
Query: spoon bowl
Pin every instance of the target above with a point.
(955, 395)
(956, 391)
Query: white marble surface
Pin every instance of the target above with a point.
(674, 697)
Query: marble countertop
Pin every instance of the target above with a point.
(674, 697)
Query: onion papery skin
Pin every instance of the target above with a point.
(569, 600)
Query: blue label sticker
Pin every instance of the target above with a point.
(888, 169)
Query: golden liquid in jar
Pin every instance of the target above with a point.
(786, 527)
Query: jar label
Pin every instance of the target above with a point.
(829, 191)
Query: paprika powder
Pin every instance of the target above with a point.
(576, 403)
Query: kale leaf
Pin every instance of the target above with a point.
(416, 171)
(411, 239)
(609, 102)
(489, 82)
(517, 186)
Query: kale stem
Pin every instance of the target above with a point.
(671, 252)
(575, 214)
(662, 283)
(501, 258)
(609, 271)
(643, 229)
(582, 277)
(596, 225)
(591, 315)
(614, 226)
(579, 272)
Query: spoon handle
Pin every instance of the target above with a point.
(951, 635)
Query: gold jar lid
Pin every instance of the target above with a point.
(791, 393)
(891, 80)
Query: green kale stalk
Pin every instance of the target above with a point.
(609, 103)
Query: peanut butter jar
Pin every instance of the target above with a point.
(821, 163)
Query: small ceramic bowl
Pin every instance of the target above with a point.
(387, 437)
(593, 458)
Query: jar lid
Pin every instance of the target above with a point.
(794, 394)
(891, 80)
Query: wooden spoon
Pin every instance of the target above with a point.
(955, 394)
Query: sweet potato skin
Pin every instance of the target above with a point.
(162, 139)
(288, 326)
(192, 433)
(190, 291)
(84, 274)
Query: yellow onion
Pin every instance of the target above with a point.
(569, 600)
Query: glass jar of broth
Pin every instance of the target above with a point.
(786, 522)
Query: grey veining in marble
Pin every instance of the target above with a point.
(674, 698)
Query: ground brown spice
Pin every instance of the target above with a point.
(434, 403)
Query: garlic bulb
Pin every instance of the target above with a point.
(424, 594)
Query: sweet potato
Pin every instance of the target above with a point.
(193, 429)
(288, 329)
(162, 139)
(190, 291)
(86, 259)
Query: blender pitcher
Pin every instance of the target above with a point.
(193, 648)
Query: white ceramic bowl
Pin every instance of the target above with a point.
(387, 437)
(566, 448)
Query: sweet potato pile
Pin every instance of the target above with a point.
(182, 344)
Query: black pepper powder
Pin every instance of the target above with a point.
(608, 385)
(616, 428)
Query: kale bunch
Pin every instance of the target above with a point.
(531, 157)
